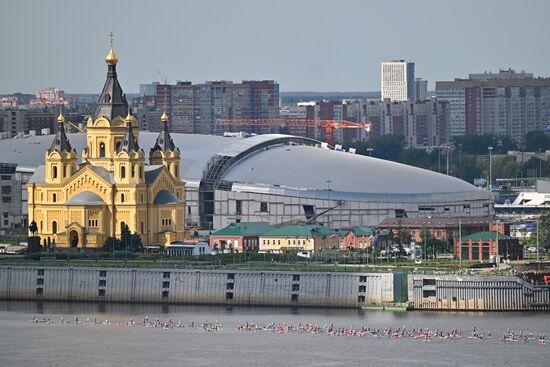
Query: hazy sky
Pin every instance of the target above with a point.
(305, 45)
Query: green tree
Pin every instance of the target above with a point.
(536, 165)
(536, 140)
(417, 157)
(402, 238)
(504, 167)
(128, 241)
(473, 167)
(361, 147)
(544, 230)
(134, 243)
(432, 245)
(479, 144)
(388, 147)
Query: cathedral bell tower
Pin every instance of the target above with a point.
(165, 152)
(107, 127)
(61, 157)
(129, 160)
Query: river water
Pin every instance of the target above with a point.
(23, 343)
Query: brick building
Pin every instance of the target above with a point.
(239, 237)
(440, 228)
(481, 246)
(356, 238)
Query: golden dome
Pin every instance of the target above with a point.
(164, 117)
(60, 118)
(111, 58)
(129, 117)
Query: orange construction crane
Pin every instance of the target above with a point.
(328, 125)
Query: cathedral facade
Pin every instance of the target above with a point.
(80, 205)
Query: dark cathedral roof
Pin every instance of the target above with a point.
(129, 142)
(60, 142)
(112, 101)
(164, 141)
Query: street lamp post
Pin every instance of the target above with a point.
(540, 163)
(447, 149)
(439, 159)
(490, 168)
(328, 195)
(460, 161)
(424, 255)
(460, 243)
(538, 253)
(498, 252)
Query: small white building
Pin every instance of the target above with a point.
(178, 248)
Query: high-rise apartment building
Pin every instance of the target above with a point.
(397, 80)
(420, 89)
(421, 123)
(504, 103)
(182, 107)
(148, 89)
(195, 108)
(22, 121)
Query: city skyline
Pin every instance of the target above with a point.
(303, 46)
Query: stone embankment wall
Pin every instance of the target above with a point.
(266, 288)
(476, 293)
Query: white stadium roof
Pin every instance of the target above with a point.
(273, 163)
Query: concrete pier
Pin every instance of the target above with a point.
(476, 293)
(271, 288)
(265, 288)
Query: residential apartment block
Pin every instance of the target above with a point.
(195, 108)
(397, 80)
(14, 195)
(422, 123)
(503, 103)
(22, 121)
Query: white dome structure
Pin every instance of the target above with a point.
(281, 178)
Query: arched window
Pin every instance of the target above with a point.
(54, 227)
(54, 198)
(54, 172)
(133, 170)
(140, 172)
(123, 171)
(142, 227)
(177, 173)
(41, 226)
(121, 198)
(101, 150)
(122, 225)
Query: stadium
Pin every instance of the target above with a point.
(284, 179)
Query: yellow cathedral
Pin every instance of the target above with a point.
(81, 205)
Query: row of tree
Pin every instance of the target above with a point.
(467, 155)
(128, 241)
(430, 245)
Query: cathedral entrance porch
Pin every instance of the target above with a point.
(73, 239)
